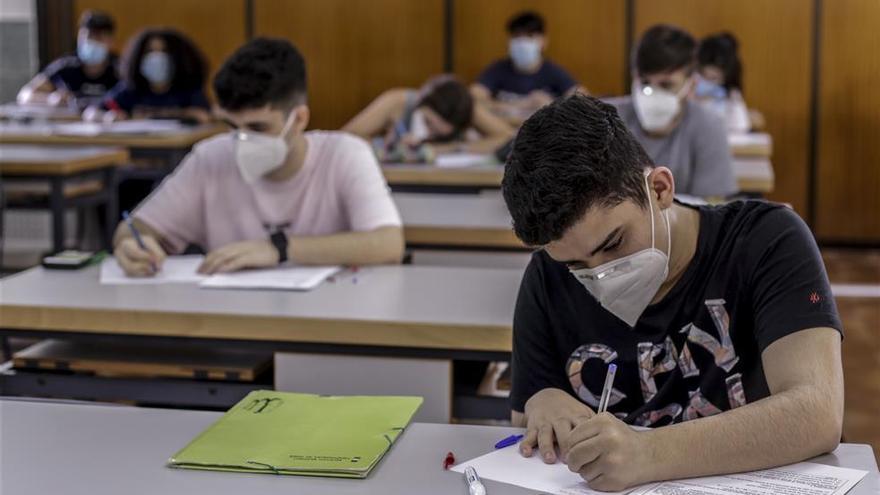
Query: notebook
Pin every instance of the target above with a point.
(300, 434)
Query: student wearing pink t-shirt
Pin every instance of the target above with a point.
(267, 192)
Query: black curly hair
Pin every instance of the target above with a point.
(190, 67)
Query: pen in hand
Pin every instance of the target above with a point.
(137, 237)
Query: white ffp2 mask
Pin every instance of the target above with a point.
(257, 154)
(626, 286)
(655, 107)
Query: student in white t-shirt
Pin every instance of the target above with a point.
(267, 192)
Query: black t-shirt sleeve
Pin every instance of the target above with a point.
(120, 97)
(197, 99)
(789, 286)
(59, 71)
(561, 81)
(535, 365)
(492, 76)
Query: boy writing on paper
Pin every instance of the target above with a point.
(720, 319)
(267, 191)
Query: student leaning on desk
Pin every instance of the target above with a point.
(719, 319)
(268, 192)
(441, 116)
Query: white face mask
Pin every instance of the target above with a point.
(257, 154)
(655, 107)
(525, 52)
(418, 127)
(626, 286)
(157, 67)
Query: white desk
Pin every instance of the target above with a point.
(468, 309)
(105, 450)
(457, 220)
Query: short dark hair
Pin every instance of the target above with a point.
(190, 67)
(571, 155)
(722, 50)
(263, 71)
(450, 98)
(664, 48)
(526, 23)
(97, 21)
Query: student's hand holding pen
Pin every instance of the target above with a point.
(551, 414)
(137, 261)
(610, 455)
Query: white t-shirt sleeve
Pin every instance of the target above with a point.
(175, 209)
(366, 195)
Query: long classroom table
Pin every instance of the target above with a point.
(79, 449)
(437, 311)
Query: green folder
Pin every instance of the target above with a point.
(302, 434)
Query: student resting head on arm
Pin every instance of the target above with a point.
(676, 131)
(163, 76)
(720, 319)
(719, 81)
(415, 125)
(268, 192)
(81, 79)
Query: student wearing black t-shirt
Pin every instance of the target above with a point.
(516, 86)
(720, 319)
(80, 79)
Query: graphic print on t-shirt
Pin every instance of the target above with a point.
(667, 361)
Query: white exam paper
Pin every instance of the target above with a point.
(183, 269)
(461, 160)
(507, 465)
(175, 269)
(803, 478)
(293, 278)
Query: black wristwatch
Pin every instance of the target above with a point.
(279, 240)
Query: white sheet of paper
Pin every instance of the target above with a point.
(176, 269)
(144, 126)
(293, 278)
(749, 139)
(461, 160)
(804, 478)
(507, 465)
(79, 129)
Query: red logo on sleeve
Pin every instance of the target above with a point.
(815, 297)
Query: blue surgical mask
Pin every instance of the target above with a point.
(91, 52)
(157, 67)
(709, 89)
(525, 52)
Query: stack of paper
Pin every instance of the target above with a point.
(184, 269)
(461, 160)
(508, 466)
(284, 433)
(294, 278)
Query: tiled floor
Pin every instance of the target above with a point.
(861, 343)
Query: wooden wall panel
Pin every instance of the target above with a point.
(848, 175)
(775, 45)
(355, 49)
(217, 30)
(587, 37)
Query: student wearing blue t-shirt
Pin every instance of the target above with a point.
(78, 79)
(163, 77)
(518, 85)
